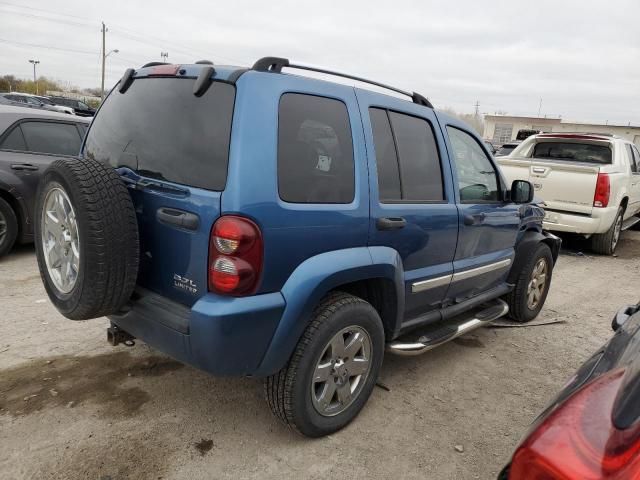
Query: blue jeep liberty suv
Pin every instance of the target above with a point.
(261, 223)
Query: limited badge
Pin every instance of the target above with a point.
(184, 283)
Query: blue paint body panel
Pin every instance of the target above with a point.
(309, 249)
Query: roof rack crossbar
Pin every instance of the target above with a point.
(275, 64)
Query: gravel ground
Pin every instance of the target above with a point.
(72, 407)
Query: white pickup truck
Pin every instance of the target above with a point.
(590, 183)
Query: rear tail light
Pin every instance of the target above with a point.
(235, 256)
(580, 441)
(603, 190)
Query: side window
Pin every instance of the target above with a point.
(50, 137)
(14, 141)
(633, 162)
(477, 178)
(386, 158)
(407, 157)
(315, 151)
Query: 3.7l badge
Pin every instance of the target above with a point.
(184, 283)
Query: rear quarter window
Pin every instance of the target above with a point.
(315, 150)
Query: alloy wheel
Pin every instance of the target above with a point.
(341, 371)
(60, 240)
(537, 284)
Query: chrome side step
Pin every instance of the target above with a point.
(419, 342)
(630, 222)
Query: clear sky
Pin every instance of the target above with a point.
(581, 57)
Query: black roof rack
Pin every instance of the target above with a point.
(276, 64)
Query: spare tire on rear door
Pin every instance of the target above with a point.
(86, 238)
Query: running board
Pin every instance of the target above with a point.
(630, 222)
(424, 340)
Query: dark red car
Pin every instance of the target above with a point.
(592, 429)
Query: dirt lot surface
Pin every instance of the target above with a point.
(72, 407)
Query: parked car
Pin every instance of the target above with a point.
(525, 133)
(590, 183)
(260, 223)
(591, 430)
(29, 141)
(33, 101)
(54, 106)
(79, 107)
(506, 148)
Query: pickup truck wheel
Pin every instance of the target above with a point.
(333, 369)
(86, 238)
(8, 227)
(532, 286)
(606, 243)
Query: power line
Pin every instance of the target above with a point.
(56, 20)
(45, 11)
(47, 47)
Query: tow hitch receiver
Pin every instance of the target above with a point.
(115, 336)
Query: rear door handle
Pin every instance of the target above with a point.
(24, 166)
(179, 218)
(475, 219)
(390, 223)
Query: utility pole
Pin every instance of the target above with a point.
(477, 105)
(539, 107)
(164, 56)
(104, 58)
(35, 62)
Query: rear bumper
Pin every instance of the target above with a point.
(599, 221)
(225, 336)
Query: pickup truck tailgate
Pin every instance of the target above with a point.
(564, 186)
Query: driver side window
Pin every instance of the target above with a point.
(477, 177)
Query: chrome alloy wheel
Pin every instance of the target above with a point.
(616, 232)
(341, 371)
(537, 284)
(60, 240)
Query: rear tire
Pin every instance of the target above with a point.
(308, 394)
(86, 238)
(606, 243)
(527, 298)
(8, 227)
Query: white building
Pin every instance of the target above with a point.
(501, 129)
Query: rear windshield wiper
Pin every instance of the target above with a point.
(134, 180)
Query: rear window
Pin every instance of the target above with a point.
(159, 128)
(51, 137)
(577, 152)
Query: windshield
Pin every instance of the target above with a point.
(159, 128)
(579, 152)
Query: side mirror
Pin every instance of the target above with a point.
(521, 191)
(622, 316)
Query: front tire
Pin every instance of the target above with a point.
(333, 369)
(532, 286)
(606, 243)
